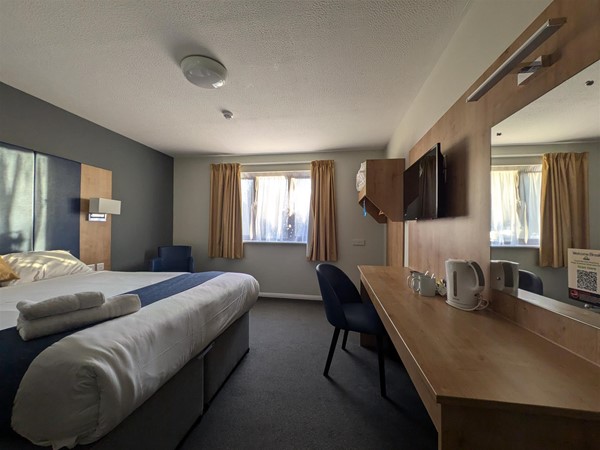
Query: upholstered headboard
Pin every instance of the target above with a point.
(43, 205)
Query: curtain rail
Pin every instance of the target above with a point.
(528, 155)
(275, 163)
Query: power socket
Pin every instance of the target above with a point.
(92, 266)
(99, 266)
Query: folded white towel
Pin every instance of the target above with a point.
(59, 305)
(116, 306)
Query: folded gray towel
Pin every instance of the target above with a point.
(119, 305)
(59, 305)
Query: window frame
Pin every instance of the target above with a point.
(289, 174)
(520, 168)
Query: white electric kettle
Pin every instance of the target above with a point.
(504, 276)
(465, 281)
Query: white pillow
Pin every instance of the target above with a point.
(35, 266)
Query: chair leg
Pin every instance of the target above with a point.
(381, 366)
(345, 340)
(334, 339)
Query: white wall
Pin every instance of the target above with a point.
(555, 280)
(488, 28)
(279, 268)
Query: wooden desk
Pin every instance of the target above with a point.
(486, 382)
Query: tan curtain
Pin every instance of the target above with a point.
(322, 245)
(225, 212)
(564, 207)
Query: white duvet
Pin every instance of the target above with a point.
(81, 387)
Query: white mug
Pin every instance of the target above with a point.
(427, 286)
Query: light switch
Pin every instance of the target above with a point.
(358, 242)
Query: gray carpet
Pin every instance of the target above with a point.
(278, 397)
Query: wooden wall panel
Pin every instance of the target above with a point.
(95, 237)
(395, 244)
(575, 329)
(464, 133)
(467, 427)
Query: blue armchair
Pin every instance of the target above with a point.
(175, 258)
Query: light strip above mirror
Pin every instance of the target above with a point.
(543, 33)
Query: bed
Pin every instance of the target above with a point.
(137, 381)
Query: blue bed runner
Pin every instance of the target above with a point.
(16, 354)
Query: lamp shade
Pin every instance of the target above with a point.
(105, 206)
(204, 72)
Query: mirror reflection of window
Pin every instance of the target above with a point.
(564, 120)
(516, 205)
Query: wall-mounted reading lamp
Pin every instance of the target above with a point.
(100, 207)
(545, 31)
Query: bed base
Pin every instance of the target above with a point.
(163, 421)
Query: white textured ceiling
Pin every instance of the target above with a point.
(303, 75)
(568, 113)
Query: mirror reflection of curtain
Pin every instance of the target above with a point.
(225, 212)
(564, 205)
(427, 188)
(16, 199)
(515, 205)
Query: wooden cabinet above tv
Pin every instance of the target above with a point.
(382, 194)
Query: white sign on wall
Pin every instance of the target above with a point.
(584, 268)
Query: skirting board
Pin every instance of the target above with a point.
(292, 296)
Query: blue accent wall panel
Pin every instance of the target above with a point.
(57, 204)
(16, 199)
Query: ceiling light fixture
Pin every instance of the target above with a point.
(204, 72)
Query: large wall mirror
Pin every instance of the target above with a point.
(565, 120)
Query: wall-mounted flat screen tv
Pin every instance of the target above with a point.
(425, 187)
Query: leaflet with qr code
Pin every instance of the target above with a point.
(583, 270)
(587, 280)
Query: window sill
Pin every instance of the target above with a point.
(275, 242)
(514, 246)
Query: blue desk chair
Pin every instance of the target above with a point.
(175, 258)
(529, 281)
(346, 311)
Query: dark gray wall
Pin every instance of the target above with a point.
(142, 177)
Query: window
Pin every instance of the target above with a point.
(516, 205)
(275, 206)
